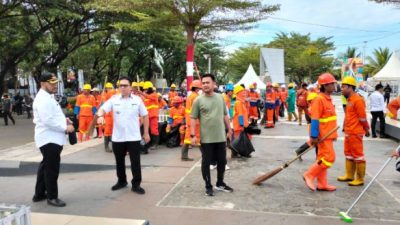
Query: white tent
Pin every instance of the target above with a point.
(391, 71)
(251, 77)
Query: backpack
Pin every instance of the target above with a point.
(302, 99)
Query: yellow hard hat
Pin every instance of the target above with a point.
(147, 85)
(173, 86)
(237, 89)
(251, 86)
(87, 87)
(291, 85)
(349, 80)
(109, 85)
(276, 85)
(311, 96)
(141, 84)
(135, 84)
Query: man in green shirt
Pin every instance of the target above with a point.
(211, 111)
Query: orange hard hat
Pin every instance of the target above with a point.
(326, 78)
(196, 84)
(177, 100)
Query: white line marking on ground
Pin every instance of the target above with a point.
(306, 138)
(179, 182)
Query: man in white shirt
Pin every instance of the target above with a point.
(126, 137)
(51, 125)
(377, 108)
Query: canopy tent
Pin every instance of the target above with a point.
(391, 71)
(251, 77)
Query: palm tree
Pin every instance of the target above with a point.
(378, 61)
(351, 52)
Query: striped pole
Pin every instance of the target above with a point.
(189, 65)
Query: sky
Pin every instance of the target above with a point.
(362, 24)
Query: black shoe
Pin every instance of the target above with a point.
(38, 198)
(209, 192)
(187, 159)
(118, 186)
(224, 188)
(56, 202)
(139, 190)
(374, 136)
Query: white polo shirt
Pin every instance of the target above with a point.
(126, 113)
(50, 122)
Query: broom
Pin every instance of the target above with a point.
(268, 175)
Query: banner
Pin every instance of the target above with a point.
(81, 79)
(32, 86)
(60, 91)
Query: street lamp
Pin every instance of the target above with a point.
(208, 56)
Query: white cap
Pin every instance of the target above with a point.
(283, 86)
(95, 89)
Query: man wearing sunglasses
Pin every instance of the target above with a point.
(127, 110)
(51, 125)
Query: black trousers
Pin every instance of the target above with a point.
(49, 168)
(6, 116)
(209, 153)
(120, 149)
(386, 98)
(375, 116)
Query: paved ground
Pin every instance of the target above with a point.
(18, 134)
(175, 190)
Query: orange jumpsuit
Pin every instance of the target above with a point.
(171, 95)
(227, 100)
(151, 103)
(253, 110)
(284, 95)
(393, 107)
(239, 109)
(108, 117)
(323, 111)
(355, 126)
(177, 114)
(188, 110)
(270, 97)
(161, 103)
(87, 108)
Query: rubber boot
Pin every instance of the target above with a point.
(310, 175)
(290, 117)
(322, 179)
(350, 168)
(295, 116)
(80, 136)
(107, 140)
(185, 153)
(360, 174)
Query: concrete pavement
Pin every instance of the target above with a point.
(175, 190)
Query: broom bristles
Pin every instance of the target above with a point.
(266, 176)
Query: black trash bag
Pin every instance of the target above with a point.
(162, 133)
(72, 138)
(173, 137)
(242, 145)
(282, 110)
(252, 129)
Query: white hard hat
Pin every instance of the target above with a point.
(95, 89)
(310, 87)
(283, 86)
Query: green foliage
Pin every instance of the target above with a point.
(378, 61)
(239, 61)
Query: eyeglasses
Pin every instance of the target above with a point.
(124, 85)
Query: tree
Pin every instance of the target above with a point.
(304, 58)
(195, 17)
(378, 61)
(351, 52)
(239, 60)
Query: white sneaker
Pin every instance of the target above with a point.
(212, 167)
(227, 167)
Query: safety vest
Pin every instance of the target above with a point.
(86, 104)
(270, 98)
(323, 110)
(355, 115)
(171, 95)
(254, 97)
(151, 103)
(238, 110)
(177, 114)
(284, 95)
(189, 103)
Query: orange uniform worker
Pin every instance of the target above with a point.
(177, 117)
(152, 106)
(277, 100)
(228, 98)
(254, 99)
(108, 117)
(301, 101)
(161, 103)
(97, 97)
(195, 88)
(355, 127)
(284, 95)
(393, 108)
(270, 98)
(85, 108)
(171, 94)
(240, 113)
(323, 120)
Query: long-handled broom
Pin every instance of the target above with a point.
(345, 215)
(268, 175)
